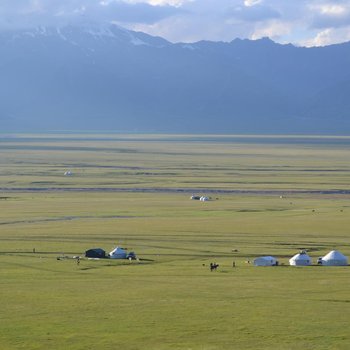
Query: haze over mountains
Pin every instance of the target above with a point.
(106, 78)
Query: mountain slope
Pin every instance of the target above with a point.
(109, 78)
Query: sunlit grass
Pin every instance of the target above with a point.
(169, 299)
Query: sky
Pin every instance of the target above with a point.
(300, 22)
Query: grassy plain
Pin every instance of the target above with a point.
(134, 191)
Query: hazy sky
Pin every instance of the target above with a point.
(302, 22)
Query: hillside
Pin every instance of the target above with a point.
(109, 78)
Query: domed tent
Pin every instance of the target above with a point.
(95, 253)
(334, 258)
(265, 261)
(118, 253)
(196, 198)
(301, 259)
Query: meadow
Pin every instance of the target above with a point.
(270, 196)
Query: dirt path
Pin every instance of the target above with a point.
(172, 190)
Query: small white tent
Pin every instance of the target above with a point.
(334, 258)
(118, 253)
(68, 173)
(265, 261)
(204, 199)
(301, 259)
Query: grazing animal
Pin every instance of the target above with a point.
(213, 266)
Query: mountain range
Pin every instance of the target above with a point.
(106, 78)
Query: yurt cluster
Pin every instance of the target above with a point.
(333, 258)
(116, 253)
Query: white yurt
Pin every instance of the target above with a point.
(68, 173)
(301, 259)
(204, 199)
(265, 261)
(118, 253)
(334, 258)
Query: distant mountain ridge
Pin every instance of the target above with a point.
(109, 78)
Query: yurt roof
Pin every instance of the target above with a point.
(300, 256)
(334, 255)
(118, 250)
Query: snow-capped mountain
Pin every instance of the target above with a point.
(108, 78)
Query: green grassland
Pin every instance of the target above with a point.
(134, 191)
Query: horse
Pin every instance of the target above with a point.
(213, 266)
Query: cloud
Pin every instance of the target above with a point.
(253, 13)
(329, 36)
(175, 3)
(274, 30)
(29, 13)
(296, 21)
(135, 13)
(250, 3)
(326, 15)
